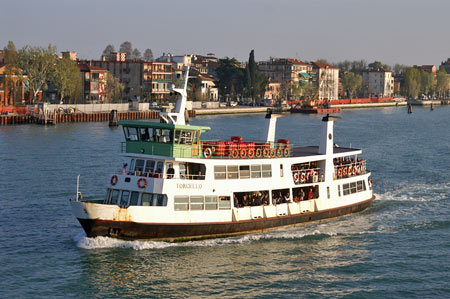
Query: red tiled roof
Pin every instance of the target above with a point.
(322, 65)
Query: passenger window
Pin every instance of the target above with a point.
(256, 171)
(114, 197)
(196, 203)
(244, 172)
(162, 200)
(211, 202)
(149, 166)
(232, 172)
(139, 167)
(220, 172)
(134, 198)
(132, 134)
(159, 168)
(267, 171)
(224, 203)
(144, 136)
(181, 203)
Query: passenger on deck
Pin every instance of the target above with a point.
(124, 170)
(310, 194)
(170, 171)
(301, 195)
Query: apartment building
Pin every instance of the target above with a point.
(326, 80)
(281, 70)
(93, 80)
(378, 83)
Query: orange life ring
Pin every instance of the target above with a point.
(302, 177)
(234, 153)
(286, 152)
(272, 152)
(142, 183)
(358, 169)
(251, 153)
(296, 178)
(114, 180)
(344, 171)
(279, 153)
(258, 153)
(339, 172)
(266, 153)
(242, 153)
(207, 152)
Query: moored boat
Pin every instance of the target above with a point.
(177, 186)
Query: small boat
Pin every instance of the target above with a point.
(179, 187)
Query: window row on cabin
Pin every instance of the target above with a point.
(187, 137)
(199, 202)
(125, 198)
(353, 187)
(223, 172)
(144, 167)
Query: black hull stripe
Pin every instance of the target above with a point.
(190, 231)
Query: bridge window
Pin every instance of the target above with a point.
(134, 198)
(131, 133)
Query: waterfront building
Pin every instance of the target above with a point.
(283, 70)
(147, 80)
(378, 82)
(13, 87)
(272, 91)
(445, 65)
(208, 89)
(326, 80)
(93, 82)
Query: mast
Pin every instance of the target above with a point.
(177, 117)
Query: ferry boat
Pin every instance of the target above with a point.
(178, 187)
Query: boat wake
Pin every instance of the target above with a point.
(82, 241)
(416, 192)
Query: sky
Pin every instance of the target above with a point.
(391, 31)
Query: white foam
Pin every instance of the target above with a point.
(417, 192)
(82, 241)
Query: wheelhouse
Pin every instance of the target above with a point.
(161, 139)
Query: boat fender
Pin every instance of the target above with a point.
(243, 153)
(114, 180)
(142, 183)
(279, 153)
(207, 153)
(286, 152)
(234, 153)
(258, 153)
(296, 178)
(251, 153)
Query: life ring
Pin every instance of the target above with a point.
(251, 153)
(279, 153)
(142, 183)
(286, 152)
(242, 153)
(344, 171)
(234, 153)
(358, 169)
(272, 152)
(353, 170)
(207, 153)
(302, 177)
(258, 153)
(266, 153)
(296, 178)
(339, 172)
(114, 180)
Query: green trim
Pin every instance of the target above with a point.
(156, 125)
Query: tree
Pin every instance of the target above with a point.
(412, 82)
(351, 82)
(108, 50)
(442, 82)
(12, 72)
(358, 66)
(113, 89)
(67, 79)
(400, 69)
(427, 83)
(136, 54)
(148, 55)
(126, 47)
(231, 76)
(377, 65)
(255, 80)
(38, 64)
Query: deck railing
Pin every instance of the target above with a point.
(306, 176)
(349, 169)
(245, 150)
